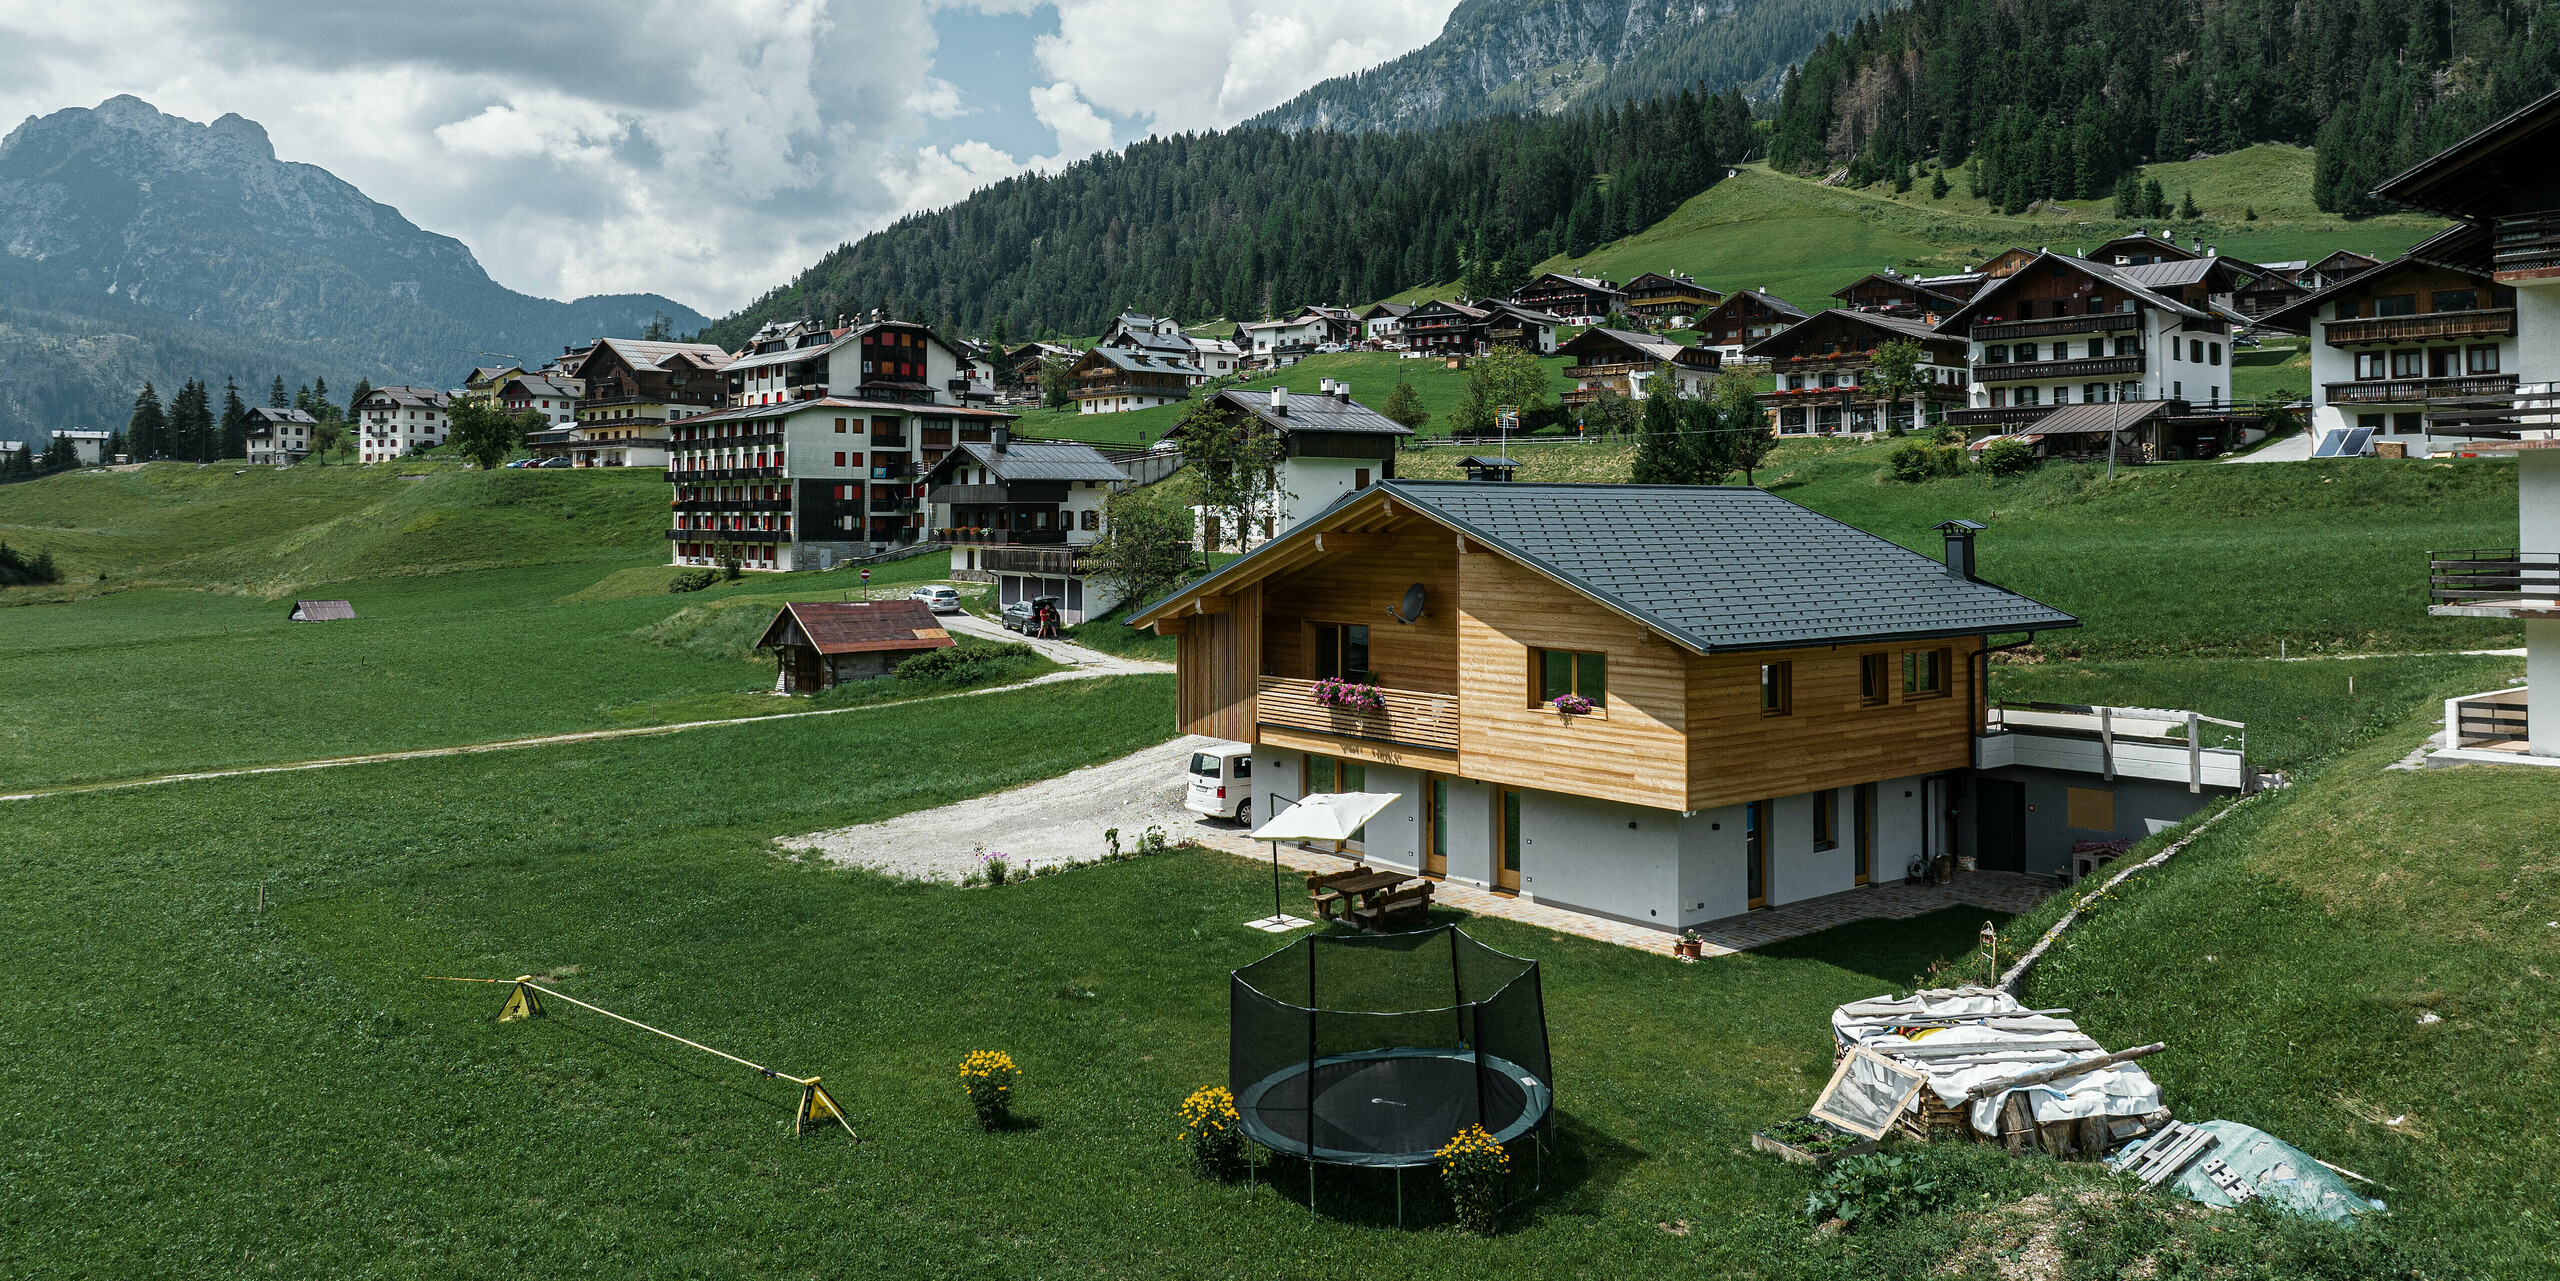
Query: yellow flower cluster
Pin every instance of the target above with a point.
(988, 1071)
(1211, 1109)
(1475, 1147)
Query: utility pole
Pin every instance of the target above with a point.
(2115, 415)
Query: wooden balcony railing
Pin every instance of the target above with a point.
(1413, 718)
(2085, 368)
(2003, 331)
(2497, 581)
(2528, 246)
(2412, 391)
(2491, 322)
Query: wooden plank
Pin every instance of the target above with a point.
(2060, 1070)
(1631, 751)
(1354, 542)
(1358, 749)
(1830, 737)
(1362, 590)
(1216, 658)
(1412, 718)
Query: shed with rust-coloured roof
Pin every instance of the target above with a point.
(821, 644)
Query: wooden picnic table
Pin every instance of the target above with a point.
(1369, 887)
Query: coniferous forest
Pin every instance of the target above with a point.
(1256, 221)
(2057, 99)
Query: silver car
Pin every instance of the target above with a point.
(941, 600)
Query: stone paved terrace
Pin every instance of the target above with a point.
(1998, 891)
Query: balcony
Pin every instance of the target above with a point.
(1619, 369)
(1050, 561)
(2491, 322)
(683, 477)
(2107, 323)
(2412, 391)
(1414, 718)
(888, 442)
(2098, 367)
(2490, 722)
(2528, 248)
(742, 505)
(729, 535)
(2494, 583)
(970, 495)
(974, 537)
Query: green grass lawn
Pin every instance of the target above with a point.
(1373, 377)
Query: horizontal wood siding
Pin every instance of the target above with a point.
(1361, 587)
(1828, 739)
(1358, 749)
(1414, 719)
(1217, 661)
(1633, 752)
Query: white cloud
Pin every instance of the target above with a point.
(705, 149)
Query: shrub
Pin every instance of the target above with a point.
(692, 580)
(1916, 462)
(1876, 1189)
(1215, 1131)
(1472, 1167)
(988, 1076)
(17, 568)
(2009, 457)
(964, 662)
(996, 864)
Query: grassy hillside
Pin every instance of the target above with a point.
(1373, 376)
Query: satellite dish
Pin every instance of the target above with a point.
(1412, 607)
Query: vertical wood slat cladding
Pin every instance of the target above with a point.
(1218, 660)
(1635, 752)
(1828, 740)
(1359, 588)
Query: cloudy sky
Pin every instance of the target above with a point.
(705, 150)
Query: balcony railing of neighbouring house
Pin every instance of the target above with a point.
(2491, 322)
(2528, 246)
(2084, 368)
(2411, 391)
(2003, 331)
(983, 537)
(2494, 721)
(1413, 718)
(2501, 579)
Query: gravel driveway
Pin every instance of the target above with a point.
(1055, 820)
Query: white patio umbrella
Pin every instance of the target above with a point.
(1323, 816)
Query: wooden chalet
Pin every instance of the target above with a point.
(2139, 249)
(1627, 363)
(1662, 297)
(1577, 299)
(1826, 375)
(1898, 295)
(629, 380)
(1663, 705)
(1118, 379)
(1447, 328)
(2337, 269)
(823, 644)
(1743, 319)
(2067, 331)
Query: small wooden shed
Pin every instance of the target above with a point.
(320, 611)
(823, 644)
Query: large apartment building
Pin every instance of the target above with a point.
(2060, 330)
(820, 458)
(391, 421)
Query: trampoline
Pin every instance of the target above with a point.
(1376, 1050)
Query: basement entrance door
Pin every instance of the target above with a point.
(2000, 830)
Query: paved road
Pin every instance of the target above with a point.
(1093, 662)
(2291, 449)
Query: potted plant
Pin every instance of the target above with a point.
(1350, 696)
(1688, 946)
(1571, 704)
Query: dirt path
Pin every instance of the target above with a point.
(1056, 651)
(1055, 820)
(582, 736)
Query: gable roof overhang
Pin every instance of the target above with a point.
(1962, 317)
(2446, 249)
(2471, 178)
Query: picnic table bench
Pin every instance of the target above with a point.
(1325, 889)
(1413, 900)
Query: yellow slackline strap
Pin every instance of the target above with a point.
(800, 1081)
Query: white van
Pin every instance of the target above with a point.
(1222, 783)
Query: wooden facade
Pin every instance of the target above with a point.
(1745, 318)
(1659, 296)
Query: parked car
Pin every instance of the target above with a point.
(941, 600)
(1222, 783)
(555, 462)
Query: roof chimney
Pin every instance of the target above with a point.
(1342, 391)
(1960, 547)
(1003, 437)
(1280, 402)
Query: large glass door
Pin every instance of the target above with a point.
(1755, 854)
(1435, 825)
(1506, 869)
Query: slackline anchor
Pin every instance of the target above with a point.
(523, 1003)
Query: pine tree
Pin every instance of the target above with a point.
(2155, 201)
(235, 422)
(146, 433)
(319, 394)
(2187, 206)
(356, 398)
(1938, 185)
(275, 395)
(2128, 195)
(1404, 406)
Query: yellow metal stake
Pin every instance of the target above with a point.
(817, 1107)
(523, 1003)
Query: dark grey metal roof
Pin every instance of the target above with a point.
(1040, 460)
(1315, 411)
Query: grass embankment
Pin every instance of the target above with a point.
(1373, 377)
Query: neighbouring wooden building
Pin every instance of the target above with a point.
(824, 644)
(1630, 364)
(1899, 295)
(1667, 297)
(1024, 514)
(1827, 383)
(645, 385)
(1746, 317)
(1664, 705)
(1578, 300)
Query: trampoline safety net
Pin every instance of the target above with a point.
(1375, 1050)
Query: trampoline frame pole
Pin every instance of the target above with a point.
(1399, 1198)
(1310, 1091)
(1457, 989)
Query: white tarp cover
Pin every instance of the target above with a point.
(1325, 816)
(1957, 1055)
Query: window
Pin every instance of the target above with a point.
(2090, 809)
(2484, 360)
(2372, 422)
(2409, 364)
(2346, 309)
(1360, 478)
(2029, 395)
(1560, 672)
(839, 426)
(2213, 353)
(1995, 354)
(1777, 688)
(839, 458)
(1342, 652)
(1826, 819)
(1874, 680)
(2025, 351)
(1924, 673)
(2369, 364)
(2457, 299)
(1092, 519)
(2195, 351)
(2407, 424)
(2396, 305)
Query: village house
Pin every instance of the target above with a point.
(1115, 380)
(1827, 381)
(1898, 295)
(823, 461)
(553, 396)
(2336, 269)
(1286, 340)
(1576, 300)
(1330, 446)
(1744, 318)
(278, 437)
(820, 645)
(1629, 364)
(89, 447)
(2502, 187)
(1022, 514)
(2060, 331)
(484, 382)
(391, 421)
(645, 385)
(1669, 298)
(1662, 705)
(1382, 325)
(1447, 328)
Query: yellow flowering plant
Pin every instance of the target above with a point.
(1215, 1131)
(989, 1077)
(1472, 1167)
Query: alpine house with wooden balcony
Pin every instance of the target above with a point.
(2060, 330)
(1746, 317)
(1666, 297)
(1660, 704)
(1827, 382)
(822, 459)
(1629, 364)
(2501, 185)
(1020, 514)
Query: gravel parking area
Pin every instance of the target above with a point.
(1055, 820)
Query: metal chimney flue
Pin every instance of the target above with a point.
(1280, 402)
(1960, 547)
(1003, 438)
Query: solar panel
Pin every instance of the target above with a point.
(2329, 443)
(2356, 438)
